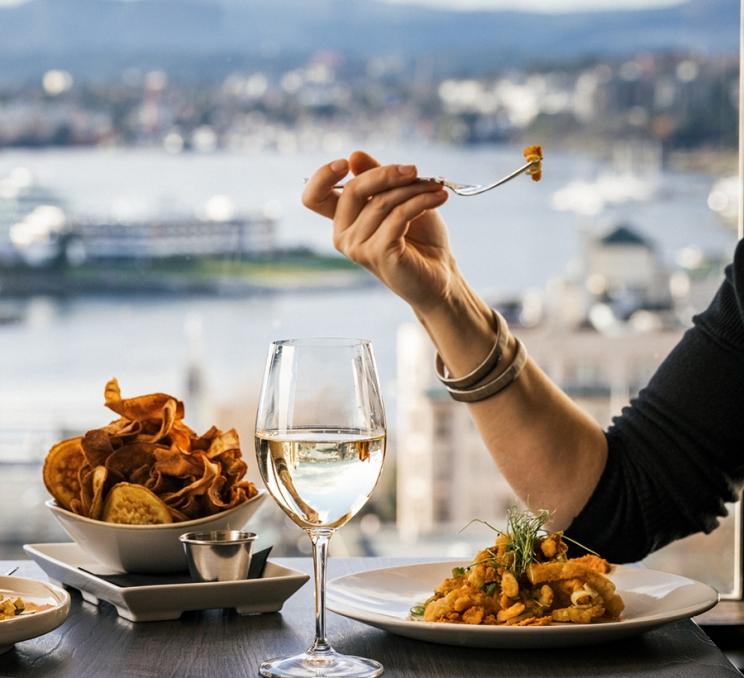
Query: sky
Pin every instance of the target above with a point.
(528, 5)
(542, 5)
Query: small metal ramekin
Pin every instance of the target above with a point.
(223, 555)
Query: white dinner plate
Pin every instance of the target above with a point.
(383, 598)
(27, 626)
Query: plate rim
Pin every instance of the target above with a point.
(23, 625)
(645, 621)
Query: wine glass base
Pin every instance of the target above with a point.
(327, 665)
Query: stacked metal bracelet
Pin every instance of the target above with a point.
(464, 388)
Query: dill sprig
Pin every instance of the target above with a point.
(524, 529)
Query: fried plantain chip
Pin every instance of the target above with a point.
(97, 447)
(134, 505)
(190, 506)
(178, 516)
(175, 463)
(224, 441)
(149, 447)
(122, 428)
(169, 419)
(198, 486)
(141, 408)
(129, 458)
(182, 437)
(98, 482)
(76, 507)
(61, 468)
(85, 476)
(141, 475)
(160, 483)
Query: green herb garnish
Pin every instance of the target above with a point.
(524, 529)
(489, 587)
(418, 610)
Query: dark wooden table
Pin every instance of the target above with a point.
(94, 642)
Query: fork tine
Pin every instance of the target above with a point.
(477, 190)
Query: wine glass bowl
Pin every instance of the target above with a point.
(320, 445)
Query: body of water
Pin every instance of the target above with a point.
(54, 363)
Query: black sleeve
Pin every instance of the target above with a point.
(676, 453)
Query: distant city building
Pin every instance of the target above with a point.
(623, 267)
(161, 238)
(36, 230)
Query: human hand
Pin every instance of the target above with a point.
(384, 220)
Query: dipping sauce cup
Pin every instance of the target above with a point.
(222, 555)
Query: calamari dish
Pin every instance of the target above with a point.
(147, 467)
(525, 579)
(15, 606)
(534, 154)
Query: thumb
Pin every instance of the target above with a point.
(360, 162)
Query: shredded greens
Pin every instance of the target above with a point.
(524, 529)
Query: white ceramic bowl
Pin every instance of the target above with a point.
(147, 548)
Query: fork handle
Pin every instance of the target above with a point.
(439, 180)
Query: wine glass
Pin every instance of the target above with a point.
(320, 443)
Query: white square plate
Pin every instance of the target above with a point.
(62, 563)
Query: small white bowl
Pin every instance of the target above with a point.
(27, 626)
(147, 548)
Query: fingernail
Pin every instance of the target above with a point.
(339, 165)
(407, 170)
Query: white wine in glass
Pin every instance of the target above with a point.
(320, 443)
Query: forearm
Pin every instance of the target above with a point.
(548, 449)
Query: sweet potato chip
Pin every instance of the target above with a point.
(134, 505)
(61, 467)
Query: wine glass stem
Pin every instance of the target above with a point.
(320, 539)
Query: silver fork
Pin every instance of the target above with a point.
(468, 190)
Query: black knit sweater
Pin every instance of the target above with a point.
(676, 453)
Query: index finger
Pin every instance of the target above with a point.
(319, 195)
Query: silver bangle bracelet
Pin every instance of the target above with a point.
(485, 368)
(507, 377)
